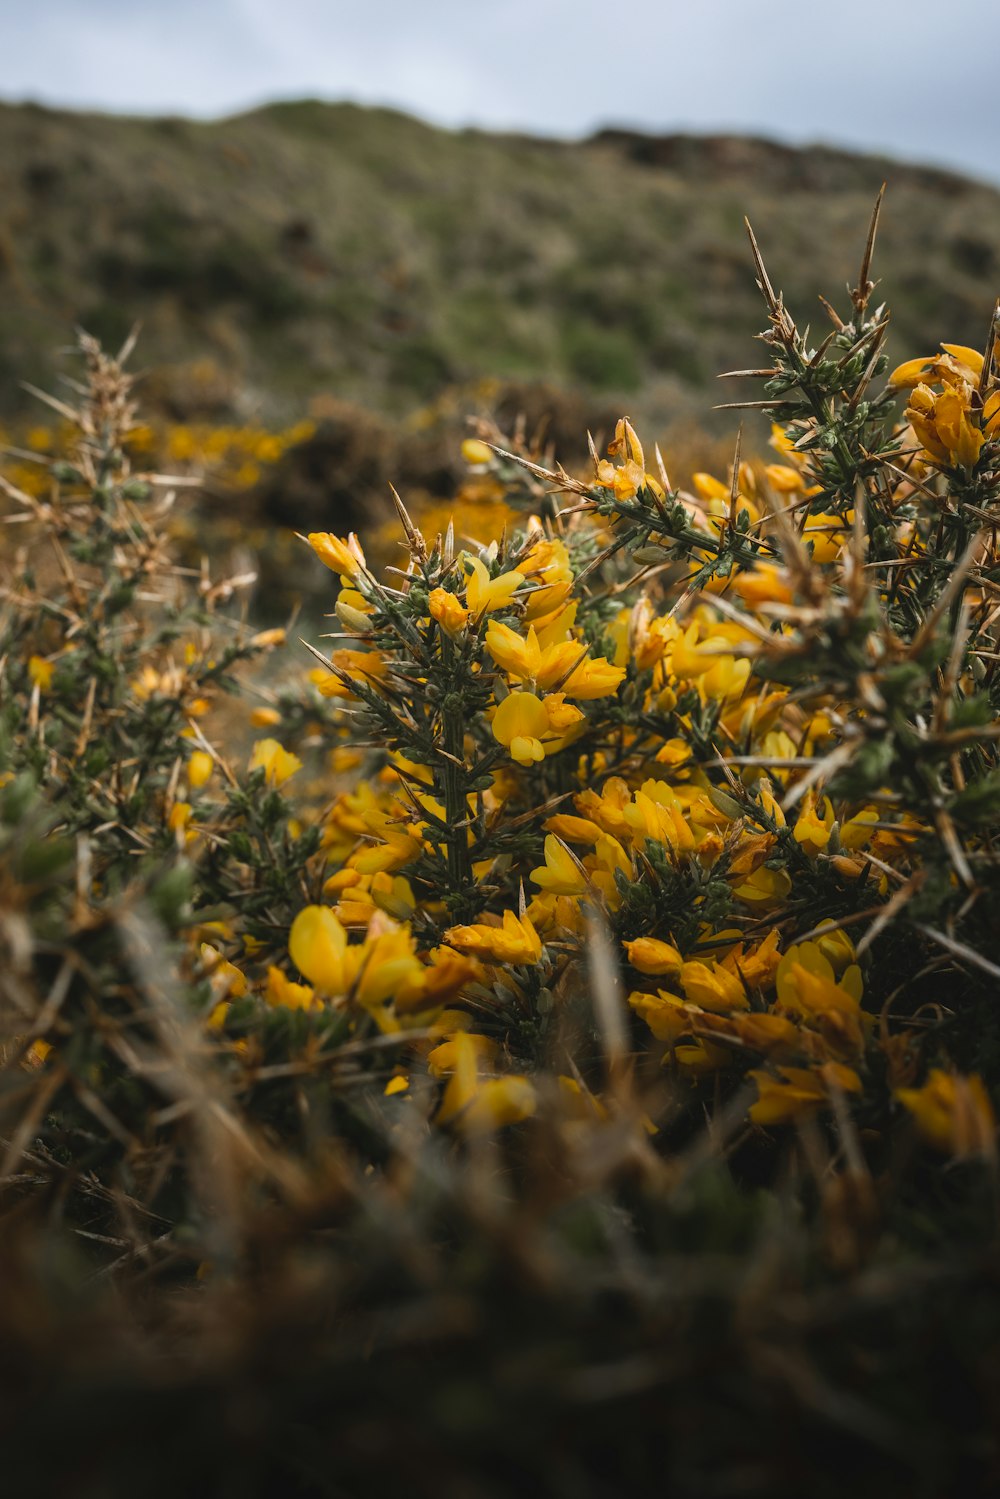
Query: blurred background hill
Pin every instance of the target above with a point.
(307, 249)
(366, 281)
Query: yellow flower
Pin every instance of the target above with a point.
(342, 880)
(784, 479)
(395, 845)
(543, 604)
(387, 967)
(766, 1032)
(519, 656)
(948, 423)
(655, 813)
(343, 760)
(318, 946)
(674, 752)
(266, 639)
(954, 428)
(562, 716)
(838, 950)
(953, 1113)
(763, 584)
(365, 666)
(277, 763)
(285, 994)
(667, 1015)
(446, 610)
(912, 372)
(725, 679)
(713, 987)
(521, 723)
(483, 594)
(396, 851)
(150, 681)
(648, 638)
(630, 477)
(771, 807)
(561, 874)
(547, 564)
(610, 859)
(393, 894)
(857, 831)
(573, 829)
(200, 767)
(344, 557)
(180, 816)
(812, 830)
(691, 657)
(514, 941)
(957, 363)
(594, 677)
(41, 672)
(798, 1092)
(700, 1056)
(991, 415)
(265, 718)
(38, 1052)
(497, 1102)
(476, 452)
(606, 807)
(781, 441)
(524, 659)
(759, 966)
(807, 987)
(446, 973)
(764, 887)
(626, 444)
(708, 487)
(448, 1055)
(718, 501)
(383, 973)
(225, 978)
(650, 955)
(481, 1106)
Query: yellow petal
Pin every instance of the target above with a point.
(318, 943)
(971, 358)
(200, 767)
(905, 376)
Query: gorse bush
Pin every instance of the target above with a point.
(611, 901)
(776, 735)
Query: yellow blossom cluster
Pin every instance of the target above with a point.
(950, 416)
(651, 746)
(233, 455)
(751, 990)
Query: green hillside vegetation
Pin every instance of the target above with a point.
(308, 247)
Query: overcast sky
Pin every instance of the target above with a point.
(915, 78)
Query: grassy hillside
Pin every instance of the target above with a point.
(309, 247)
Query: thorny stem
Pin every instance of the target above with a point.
(453, 785)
